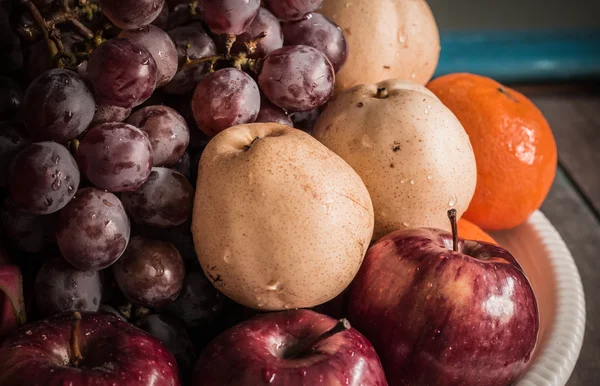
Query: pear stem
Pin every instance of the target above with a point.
(76, 356)
(308, 347)
(382, 93)
(452, 217)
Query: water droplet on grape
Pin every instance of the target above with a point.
(413, 75)
(55, 159)
(68, 116)
(412, 182)
(403, 181)
(406, 224)
(429, 177)
(48, 201)
(269, 375)
(56, 184)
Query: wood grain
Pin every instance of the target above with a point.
(575, 121)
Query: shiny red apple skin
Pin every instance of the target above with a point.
(444, 318)
(251, 353)
(114, 353)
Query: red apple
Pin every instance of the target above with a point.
(439, 316)
(85, 349)
(12, 303)
(290, 348)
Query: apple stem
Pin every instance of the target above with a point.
(76, 356)
(308, 347)
(452, 217)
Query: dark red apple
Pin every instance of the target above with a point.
(290, 348)
(85, 349)
(439, 315)
(12, 303)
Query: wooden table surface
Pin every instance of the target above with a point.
(573, 205)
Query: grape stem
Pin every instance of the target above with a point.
(66, 15)
(60, 58)
(43, 26)
(229, 40)
(73, 17)
(207, 59)
(250, 45)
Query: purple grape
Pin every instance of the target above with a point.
(229, 17)
(12, 139)
(58, 106)
(162, 18)
(305, 120)
(288, 10)
(43, 177)
(319, 32)
(39, 59)
(150, 273)
(265, 23)
(179, 16)
(107, 113)
(271, 113)
(165, 200)
(123, 73)
(93, 230)
(106, 309)
(173, 335)
(29, 232)
(59, 288)
(194, 43)
(180, 236)
(167, 130)
(160, 45)
(10, 98)
(183, 165)
(115, 156)
(199, 302)
(225, 98)
(297, 78)
(131, 14)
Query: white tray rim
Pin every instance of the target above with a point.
(556, 360)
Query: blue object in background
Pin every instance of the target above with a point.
(517, 56)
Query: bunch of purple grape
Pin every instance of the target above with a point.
(103, 117)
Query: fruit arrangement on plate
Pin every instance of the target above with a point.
(237, 192)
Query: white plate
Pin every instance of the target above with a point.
(556, 282)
